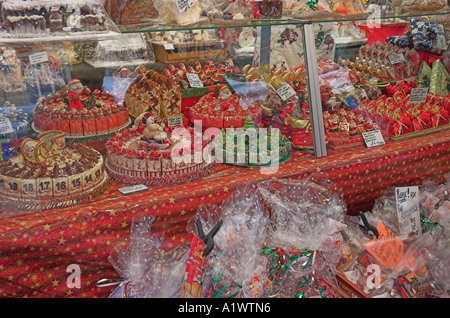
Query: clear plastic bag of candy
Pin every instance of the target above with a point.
(303, 243)
(236, 268)
(147, 270)
(410, 277)
(230, 12)
(173, 12)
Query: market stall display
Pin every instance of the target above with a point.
(171, 149)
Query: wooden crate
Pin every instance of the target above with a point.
(190, 51)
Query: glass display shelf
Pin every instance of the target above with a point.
(206, 24)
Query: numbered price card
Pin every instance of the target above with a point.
(285, 92)
(37, 58)
(175, 121)
(5, 126)
(418, 95)
(194, 80)
(408, 210)
(133, 188)
(396, 58)
(184, 5)
(169, 46)
(373, 138)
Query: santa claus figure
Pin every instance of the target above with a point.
(75, 89)
(224, 92)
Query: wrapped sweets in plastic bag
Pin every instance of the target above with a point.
(383, 258)
(303, 242)
(235, 268)
(229, 12)
(354, 240)
(410, 277)
(438, 273)
(173, 12)
(433, 201)
(147, 270)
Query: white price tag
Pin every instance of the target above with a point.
(133, 188)
(418, 95)
(373, 138)
(169, 46)
(184, 5)
(408, 210)
(37, 58)
(285, 92)
(396, 58)
(5, 126)
(175, 121)
(194, 80)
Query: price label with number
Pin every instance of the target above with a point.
(175, 121)
(5, 126)
(408, 210)
(285, 92)
(133, 188)
(418, 95)
(37, 58)
(373, 138)
(169, 46)
(184, 5)
(396, 58)
(194, 80)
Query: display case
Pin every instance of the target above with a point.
(123, 108)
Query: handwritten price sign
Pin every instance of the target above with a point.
(408, 210)
(133, 188)
(285, 92)
(418, 95)
(396, 58)
(5, 126)
(373, 138)
(194, 80)
(184, 5)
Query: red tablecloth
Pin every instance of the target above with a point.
(37, 248)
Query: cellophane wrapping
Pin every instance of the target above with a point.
(147, 269)
(280, 238)
(398, 266)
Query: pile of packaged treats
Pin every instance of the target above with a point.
(293, 239)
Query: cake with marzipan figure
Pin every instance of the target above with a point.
(48, 173)
(144, 154)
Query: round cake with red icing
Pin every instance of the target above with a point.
(80, 112)
(225, 110)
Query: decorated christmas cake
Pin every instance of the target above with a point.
(156, 93)
(79, 112)
(144, 154)
(48, 173)
(225, 109)
(252, 145)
